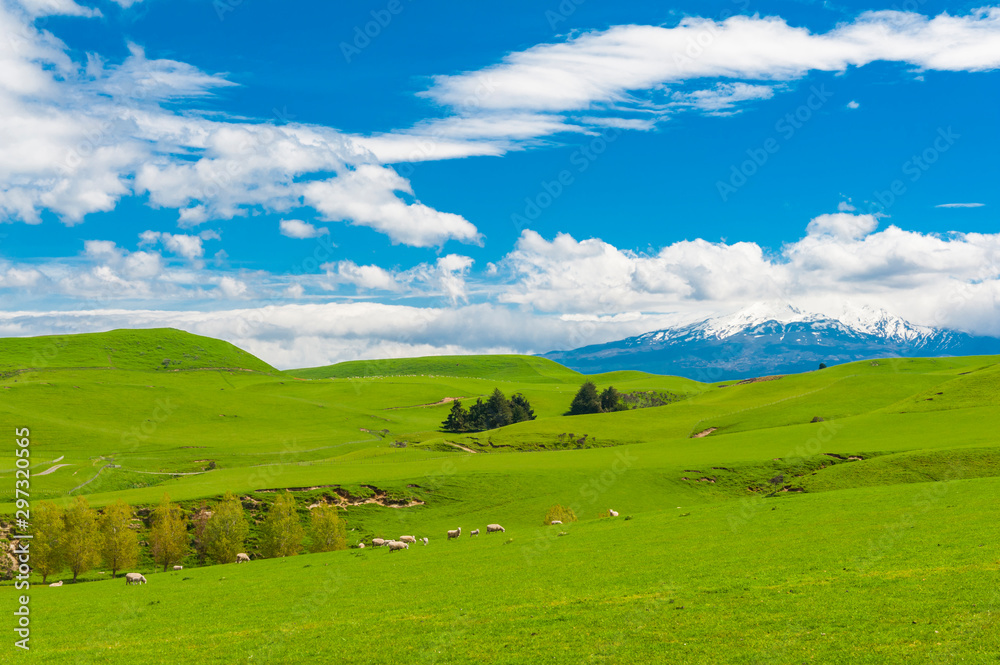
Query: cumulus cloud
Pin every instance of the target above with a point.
(77, 137)
(366, 196)
(842, 226)
(950, 280)
(233, 288)
(446, 277)
(370, 277)
(296, 228)
(190, 247)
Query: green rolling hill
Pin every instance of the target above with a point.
(841, 515)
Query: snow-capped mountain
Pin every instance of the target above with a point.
(773, 338)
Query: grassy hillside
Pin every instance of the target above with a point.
(842, 515)
(521, 369)
(158, 348)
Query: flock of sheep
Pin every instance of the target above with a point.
(404, 542)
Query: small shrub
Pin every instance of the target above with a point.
(628, 517)
(559, 513)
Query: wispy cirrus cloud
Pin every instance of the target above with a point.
(644, 74)
(960, 205)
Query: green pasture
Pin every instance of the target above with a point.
(847, 515)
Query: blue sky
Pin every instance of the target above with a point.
(518, 177)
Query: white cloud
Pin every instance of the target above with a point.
(845, 206)
(842, 226)
(960, 205)
(296, 228)
(853, 105)
(637, 74)
(233, 288)
(366, 197)
(723, 97)
(58, 8)
(446, 277)
(188, 246)
(77, 137)
(604, 67)
(369, 277)
(931, 279)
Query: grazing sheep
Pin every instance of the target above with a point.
(361, 546)
(474, 532)
(59, 583)
(398, 545)
(178, 567)
(613, 513)
(455, 533)
(241, 557)
(490, 528)
(424, 540)
(134, 578)
(556, 522)
(407, 539)
(378, 542)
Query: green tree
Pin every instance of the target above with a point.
(226, 530)
(168, 537)
(498, 413)
(328, 532)
(586, 400)
(120, 544)
(457, 420)
(47, 542)
(520, 409)
(611, 400)
(281, 534)
(81, 542)
(477, 417)
(822, 365)
(199, 521)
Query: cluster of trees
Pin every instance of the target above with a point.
(496, 411)
(79, 538)
(589, 400)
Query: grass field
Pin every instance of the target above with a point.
(844, 515)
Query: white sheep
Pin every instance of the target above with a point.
(361, 546)
(134, 578)
(455, 533)
(424, 540)
(474, 532)
(242, 557)
(407, 539)
(556, 522)
(398, 545)
(178, 567)
(490, 528)
(378, 542)
(59, 583)
(614, 513)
